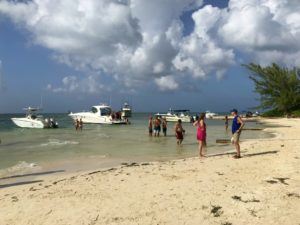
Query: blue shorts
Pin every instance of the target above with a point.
(157, 129)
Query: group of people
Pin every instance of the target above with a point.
(237, 126)
(78, 124)
(154, 126)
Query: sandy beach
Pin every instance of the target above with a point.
(263, 187)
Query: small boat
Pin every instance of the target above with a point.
(210, 115)
(175, 115)
(99, 114)
(126, 110)
(32, 120)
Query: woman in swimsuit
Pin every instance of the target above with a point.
(201, 133)
(179, 131)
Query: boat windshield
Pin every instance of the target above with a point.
(33, 116)
(94, 110)
(105, 111)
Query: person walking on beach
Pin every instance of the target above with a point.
(201, 133)
(226, 122)
(164, 126)
(237, 126)
(150, 122)
(157, 127)
(179, 131)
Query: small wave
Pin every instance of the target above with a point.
(104, 135)
(56, 142)
(20, 167)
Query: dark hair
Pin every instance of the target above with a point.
(234, 111)
(179, 121)
(202, 116)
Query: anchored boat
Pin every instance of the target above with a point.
(175, 115)
(32, 120)
(99, 114)
(126, 110)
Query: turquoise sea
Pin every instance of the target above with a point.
(99, 146)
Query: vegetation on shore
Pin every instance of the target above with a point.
(278, 87)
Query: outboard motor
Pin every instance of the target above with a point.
(53, 123)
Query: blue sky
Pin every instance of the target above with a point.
(70, 78)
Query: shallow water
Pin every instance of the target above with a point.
(101, 145)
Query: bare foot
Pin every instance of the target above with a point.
(237, 157)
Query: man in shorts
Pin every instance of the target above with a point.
(157, 128)
(237, 126)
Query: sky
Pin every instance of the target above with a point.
(155, 54)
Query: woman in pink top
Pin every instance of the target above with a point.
(201, 133)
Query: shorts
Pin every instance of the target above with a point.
(150, 130)
(157, 129)
(236, 137)
(165, 130)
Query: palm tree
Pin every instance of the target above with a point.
(278, 87)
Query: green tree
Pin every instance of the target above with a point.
(278, 87)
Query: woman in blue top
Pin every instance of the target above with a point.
(237, 126)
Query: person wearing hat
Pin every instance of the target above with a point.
(237, 126)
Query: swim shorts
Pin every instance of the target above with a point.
(236, 137)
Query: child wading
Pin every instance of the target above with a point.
(179, 131)
(201, 133)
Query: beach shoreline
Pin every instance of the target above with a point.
(261, 188)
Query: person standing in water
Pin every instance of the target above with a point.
(201, 133)
(237, 126)
(226, 122)
(76, 124)
(157, 127)
(80, 124)
(179, 131)
(150, 122)
(164, 126)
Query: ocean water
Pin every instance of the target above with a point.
(101, 145)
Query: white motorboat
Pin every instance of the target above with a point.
(99, 114)
(210, 115)
(126, 110)
(31, 120)
(175, 115)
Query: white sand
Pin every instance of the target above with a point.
(174, 192)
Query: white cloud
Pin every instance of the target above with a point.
(137, 41)
(89, 84)
(268, 30)
(166, 83)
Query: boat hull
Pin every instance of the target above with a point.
(185, 119)
(171, 118)
(28, 123)
(90, 118)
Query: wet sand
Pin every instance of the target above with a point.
(263, 187)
